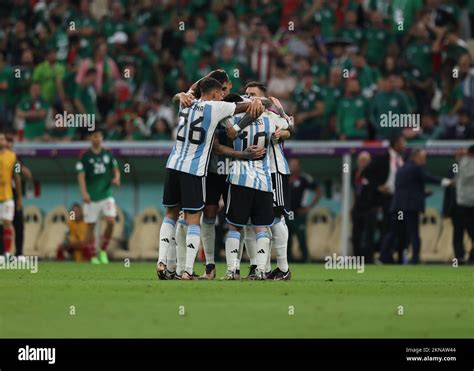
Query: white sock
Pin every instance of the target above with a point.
(263, 245)
(171, 257)
(251, 244)
(280, 243)
(181, 230)
(232, 249)
(268, 266)
(193, 239)
(241, 252)
(208, 236)
(167, 232)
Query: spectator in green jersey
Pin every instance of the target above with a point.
(33, 110)
(352, 113)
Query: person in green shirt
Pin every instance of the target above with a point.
(50, 75)
(332, 92)
(350, 30)
(85, 99)
(33, 109)
(190, 54)
(418, 53)
(85, 28)
(386, 101)
(404, 13)
(321, 12)
(7, 88)
(117, 23)
(352, 113)
(377, 40)
(97, 171)
(309, 109)
(58, 39)
(366, 75)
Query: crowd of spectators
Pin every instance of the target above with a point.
(336, 65)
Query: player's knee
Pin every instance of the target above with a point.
(172, 213)
(210, 212)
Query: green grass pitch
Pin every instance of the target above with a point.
(115, 301)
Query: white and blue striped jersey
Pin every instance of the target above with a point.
(195, 135)
(254, 173)
(278, 161)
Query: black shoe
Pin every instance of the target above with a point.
(251, 274)
(237, 274)
(169, 275)
(210, 273)
(271, 274)
(278, 275)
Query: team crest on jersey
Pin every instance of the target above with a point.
(91, 160)
(106, 159)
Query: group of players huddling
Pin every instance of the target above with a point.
(227, 146)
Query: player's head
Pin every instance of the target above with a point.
(77, 209)
(223, 78)
(211, 89)
(255, 89)
(10, 139)
(233, 98)
(363, 159)
(96, 138)
(295, 165)
(35, 89)
(398, 143)
(51, 55)
(3, 141)
(418, 156)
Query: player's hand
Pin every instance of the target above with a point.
(19, 204)
(276, 102)
(253, 152)
(116, 181)
(86, 198)
(256, 108)
(383, 189)
(186, 99)
(277, 133)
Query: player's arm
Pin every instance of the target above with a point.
(285, 132)
(184, 99)
(81, 180)
(250, 153)
(116, 171)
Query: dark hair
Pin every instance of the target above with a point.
(395, 138)
(209, 84)
(256, 84)
(233, 98)
(91, 70)
(219, 75)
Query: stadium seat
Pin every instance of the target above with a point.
(430, 233)
(53, 233)
(336, 236)
(319, 231)
(144, 241)
(445, 241)
(118, 233)
(33, 219)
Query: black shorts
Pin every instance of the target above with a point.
(245, 203)
(281, 192)
(184, 190)
(216, 186)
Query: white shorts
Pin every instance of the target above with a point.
(92, 210)
(7, 210)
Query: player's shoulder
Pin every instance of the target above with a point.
(84, 153)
